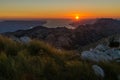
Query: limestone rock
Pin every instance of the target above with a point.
(25, 39)
(98, 70)
(101, 53)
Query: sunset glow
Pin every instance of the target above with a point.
(18, 9)
(77, 17)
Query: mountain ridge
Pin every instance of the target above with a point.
(62, 37)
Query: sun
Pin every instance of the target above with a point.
(77, 17)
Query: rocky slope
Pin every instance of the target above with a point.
(102, 54)
(37, 60)
(62, 37)
(107, 50)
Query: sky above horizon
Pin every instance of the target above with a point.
(24, 9)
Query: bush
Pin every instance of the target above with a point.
(40, 61)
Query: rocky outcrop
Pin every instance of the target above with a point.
(101, 53)
(25, 39)
(22, 39)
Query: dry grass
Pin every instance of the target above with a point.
(40, 61)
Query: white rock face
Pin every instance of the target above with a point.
(98, 70)
(101, 53)
(25, 39)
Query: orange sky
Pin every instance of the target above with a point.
(28, 9)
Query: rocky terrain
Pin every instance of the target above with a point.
(106, 52)
(100, 62)
(65, 38)
(102, 54)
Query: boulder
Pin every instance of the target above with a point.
(101, 53)
(97, 57)
(25, 39)
(98, 71)
(88, 55)
(113, 53)
(101, 47)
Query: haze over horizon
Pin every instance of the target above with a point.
(36, 9)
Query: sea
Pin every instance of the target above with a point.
(14, 25)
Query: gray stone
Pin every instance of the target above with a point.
(98, 70)
(101, 47)
(25, 39)
(100, 54)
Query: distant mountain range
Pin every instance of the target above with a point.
(13, 25)
(62, 37)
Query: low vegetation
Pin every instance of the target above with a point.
(37, 60)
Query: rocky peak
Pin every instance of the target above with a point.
(106, 21)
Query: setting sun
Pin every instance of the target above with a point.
(77, 17)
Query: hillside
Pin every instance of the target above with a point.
(37, 60)
(70, 39)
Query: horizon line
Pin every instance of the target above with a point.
(51, 18)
